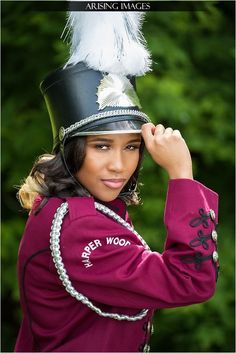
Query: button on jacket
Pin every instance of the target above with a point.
(109, 265)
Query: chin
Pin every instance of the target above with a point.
(107, 198)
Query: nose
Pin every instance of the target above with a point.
(116, 162)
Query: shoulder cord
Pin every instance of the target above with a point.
(57, 259)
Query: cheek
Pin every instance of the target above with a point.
(133, 162)
(90, 168)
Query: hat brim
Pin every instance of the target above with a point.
(117, 127)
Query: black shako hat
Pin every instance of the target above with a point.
(94, 93)
(82, 101)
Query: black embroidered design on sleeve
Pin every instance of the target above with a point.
(200, 220)
(197, 258)
(201, 240)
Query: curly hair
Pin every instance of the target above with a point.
(50, 178)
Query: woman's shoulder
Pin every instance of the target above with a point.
(83, 209)
(76, 205)
(89, 206)
(80, 206)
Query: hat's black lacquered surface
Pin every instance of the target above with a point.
(71, 95)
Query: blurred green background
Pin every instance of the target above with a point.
(191, 88)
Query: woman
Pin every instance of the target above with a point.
(88, 280)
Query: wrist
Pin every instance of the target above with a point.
(181, 175)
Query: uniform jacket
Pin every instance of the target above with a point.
(108, 264)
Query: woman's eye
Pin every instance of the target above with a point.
(102, 147)
(132, 147)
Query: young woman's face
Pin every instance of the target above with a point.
(110, 161)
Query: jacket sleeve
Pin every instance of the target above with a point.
(108, 263)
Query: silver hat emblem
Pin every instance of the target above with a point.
(116, 91)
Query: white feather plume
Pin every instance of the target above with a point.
(109, 42)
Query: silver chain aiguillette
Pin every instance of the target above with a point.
(57, 259)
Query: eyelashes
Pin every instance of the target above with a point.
(105, 147)
(102, 147)
(132, 147)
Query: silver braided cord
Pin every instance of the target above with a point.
(57, 259)
(120, 220)
(99, 116)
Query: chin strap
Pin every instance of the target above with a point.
(132, 188)
(62, 152)
(133, 184)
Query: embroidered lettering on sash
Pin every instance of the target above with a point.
(96, 243)
(117, 241)
(92, 245)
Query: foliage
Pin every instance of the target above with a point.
(190, 88)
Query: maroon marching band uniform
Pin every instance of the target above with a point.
(108, 263)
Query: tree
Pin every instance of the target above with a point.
(190, 88)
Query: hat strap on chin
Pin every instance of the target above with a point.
(132, 185)
(132, 189)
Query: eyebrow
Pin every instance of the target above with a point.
(103, 139)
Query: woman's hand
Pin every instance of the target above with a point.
(168, 149)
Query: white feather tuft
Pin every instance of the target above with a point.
(108, 42)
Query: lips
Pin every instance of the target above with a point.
(114, 183)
